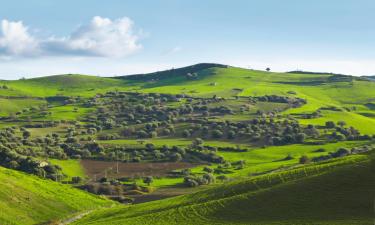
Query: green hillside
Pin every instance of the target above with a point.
(279, 145)
(341, 97)
(67, 84)
(27, 199)
(339, 192)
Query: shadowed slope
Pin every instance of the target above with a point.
(340, 194)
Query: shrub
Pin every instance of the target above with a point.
(148, 180)
(186, 133)
(330, 124)
(300, 137)
(217, 133)
(208, 169)
(304, 159)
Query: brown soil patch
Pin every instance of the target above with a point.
(98, 168)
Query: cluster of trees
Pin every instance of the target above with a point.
(194, 181)
(266, 131)
(293, 101)
(340, 152)
(14, 155)
(208, 176)
(124, 109)
(342, 133)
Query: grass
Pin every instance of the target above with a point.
(27, 199)
(159, 142)
(70, 167)
(278, 198)
(317, 89)
(12, 106)
(260, 160)
(68, 85)
(296, 196)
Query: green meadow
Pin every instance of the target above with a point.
(172, 116)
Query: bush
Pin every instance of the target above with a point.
(208, 169)
(176, 157)
(217, 133)
(148, 180)
(300, 138)
(186, 133)
(330, 124)
(304, 159)
(209, 177)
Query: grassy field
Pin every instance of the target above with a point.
(345, 198)
(272, 187)
(12, 106)
(318, 89)
(70, 167)
(27, 199)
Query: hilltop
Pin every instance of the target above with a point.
(172, 73)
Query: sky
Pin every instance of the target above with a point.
(119, 37)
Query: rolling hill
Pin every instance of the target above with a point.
(271, 186)
(27, 199)
(338, 97)
(338, 192)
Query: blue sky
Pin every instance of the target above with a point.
(113, 37)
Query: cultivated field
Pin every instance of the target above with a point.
(94, 168)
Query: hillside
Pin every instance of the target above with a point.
(172, 73)
(333, 193)
(261, 135)
(27, 199)
(66, 84)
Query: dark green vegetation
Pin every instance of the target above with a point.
(210, 127)
(337, 192)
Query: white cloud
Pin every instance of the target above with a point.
(15, 40)
(102, 37)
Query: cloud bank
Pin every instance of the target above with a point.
(102, 37)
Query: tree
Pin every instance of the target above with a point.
(231, 134)
(148, 180)
(186, 133)
(217, 133)
(190, 181)
(304, 159)
(26, 134)
(197, 142)
(340, 137)
(300, 138)
(208, 169)
(209, 177)
(341, 123)
(150, 146)
(268, 69)
(222, 178)
(330, 124)
(176, 157)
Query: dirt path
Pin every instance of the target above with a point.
(75, 218)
